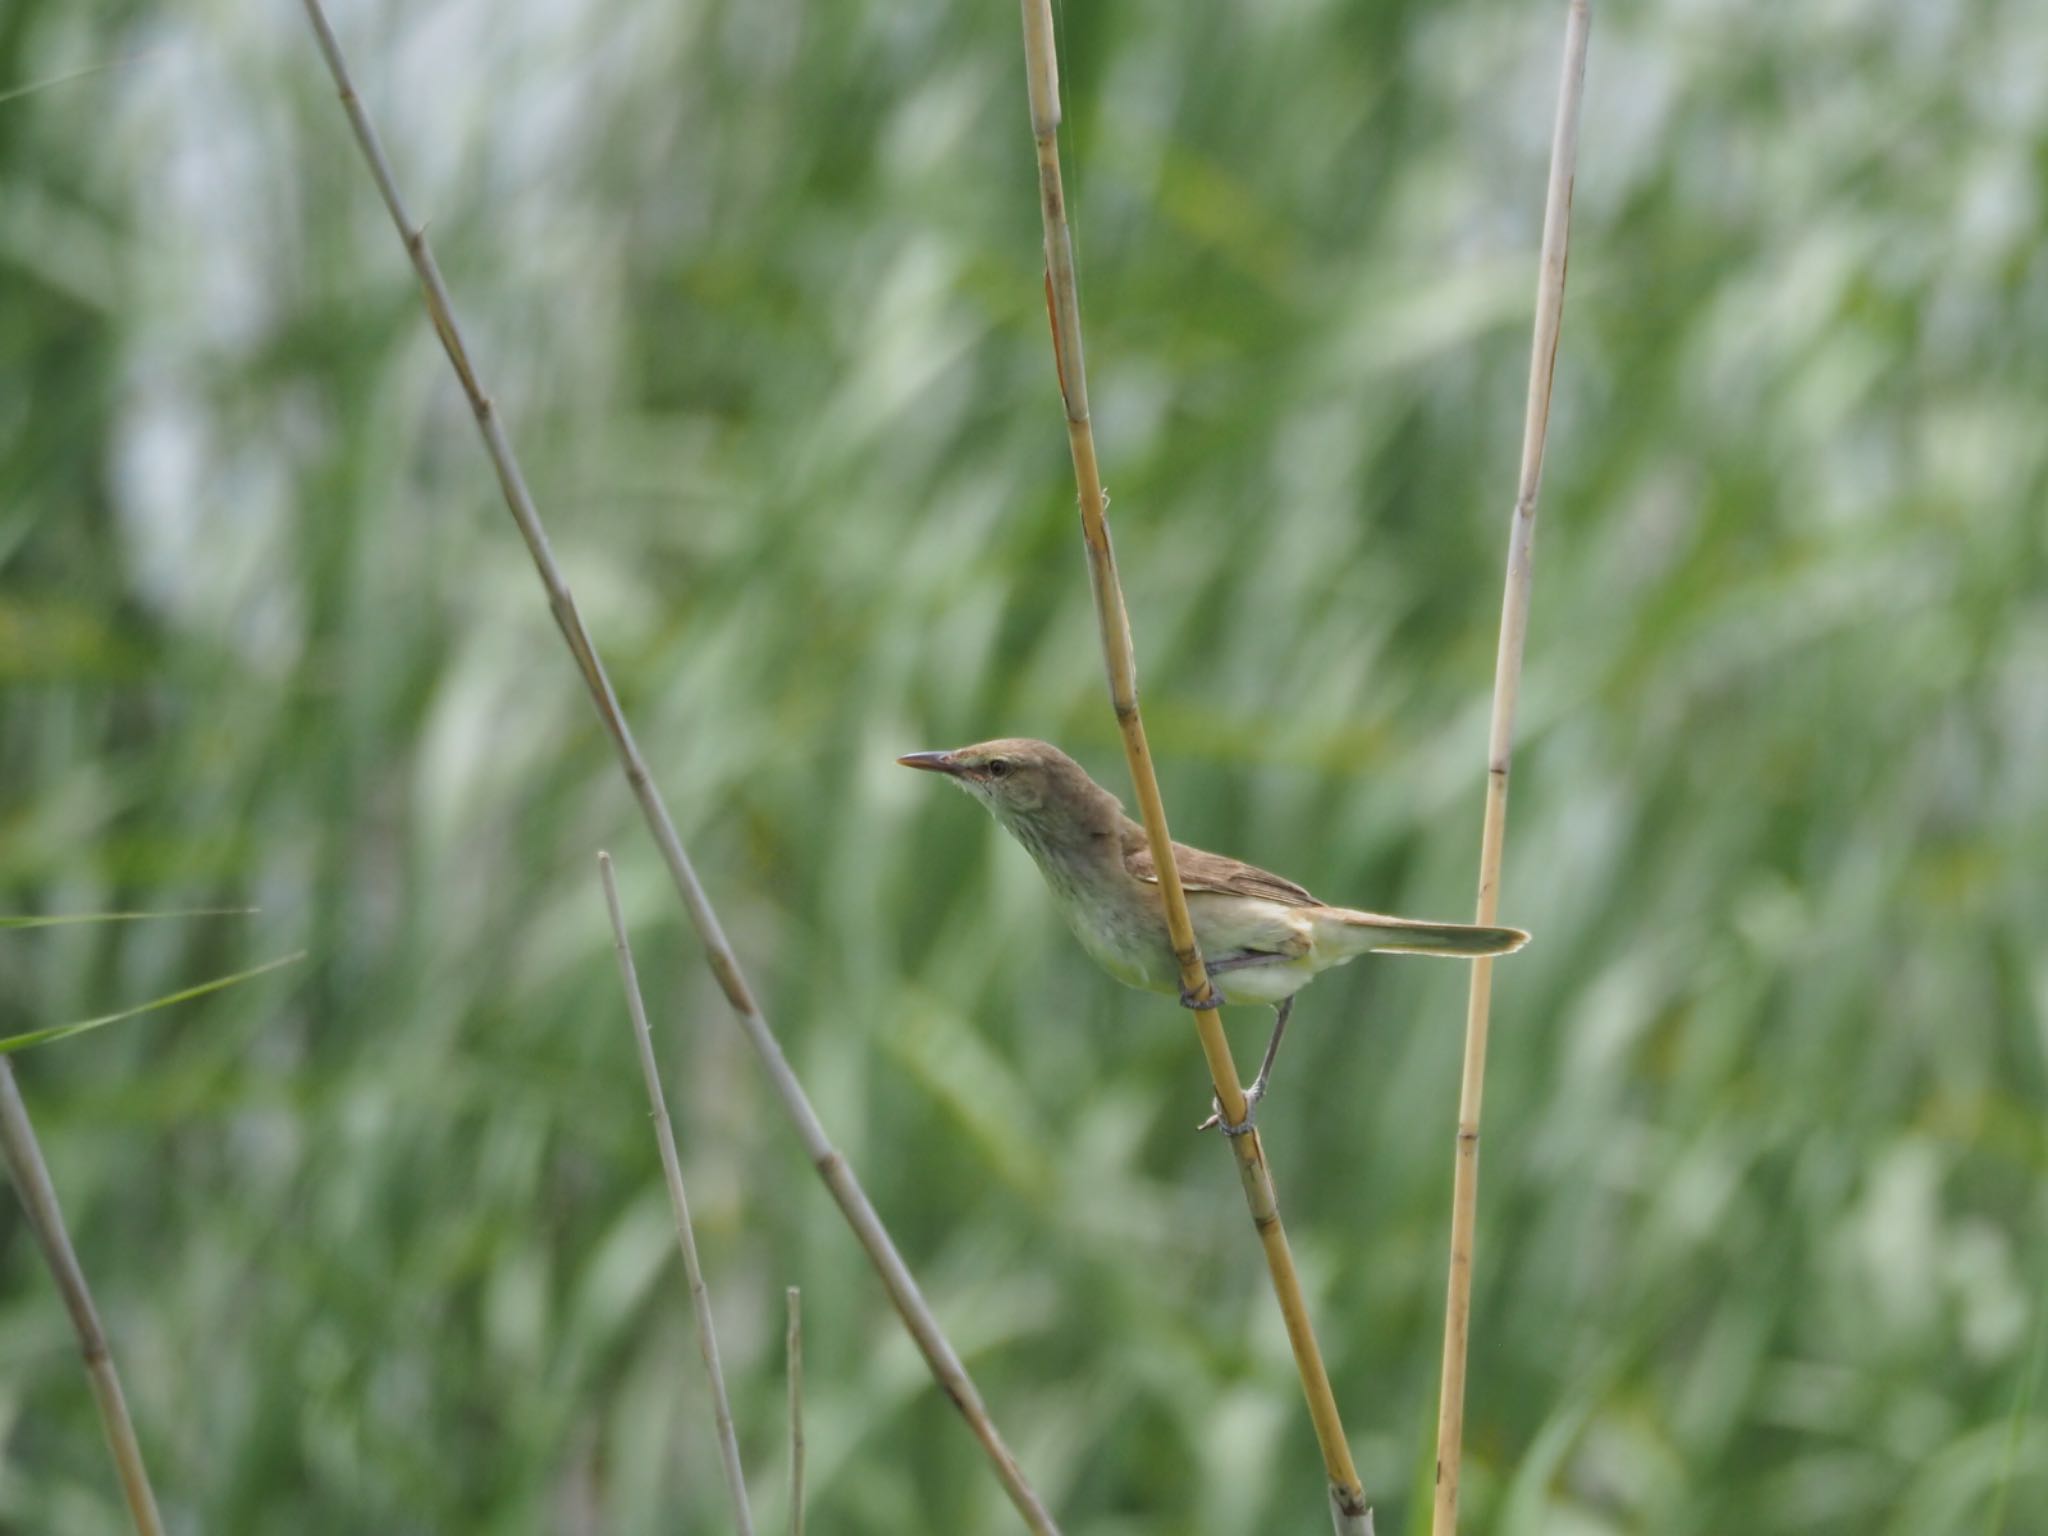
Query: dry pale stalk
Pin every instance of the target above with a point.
(833, 1168)
(793, 1346)
(1350, 1513)
(679, 1204)
(1507, 681)
(39, 1198)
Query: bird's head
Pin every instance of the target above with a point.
(1033, 788)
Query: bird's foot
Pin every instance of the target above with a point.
(1251, 1104)
(1202, 1005)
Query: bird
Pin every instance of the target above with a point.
(1262, 937)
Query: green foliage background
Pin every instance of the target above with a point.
(382, 1240)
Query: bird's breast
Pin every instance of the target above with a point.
(1119, 924)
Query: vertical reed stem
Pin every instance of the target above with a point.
(1507, 681)
(793, 1349)
(833, 1168)
(679, 1205)
(46, 1219)
(1350, 1514)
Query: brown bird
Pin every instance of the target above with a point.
(1262, 937)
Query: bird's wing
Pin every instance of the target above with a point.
(1201, 871)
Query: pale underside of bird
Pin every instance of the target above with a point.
(1262, 937)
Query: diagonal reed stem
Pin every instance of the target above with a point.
(46, 1219)
(1349, 1512)
(1507, 682)
(679, 1204)
(832, 1167)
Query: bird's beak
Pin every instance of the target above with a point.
(931, 762)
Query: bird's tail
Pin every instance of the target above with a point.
(1370, 931)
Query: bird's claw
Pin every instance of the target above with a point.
(1217, 1122)
(1202, 1005)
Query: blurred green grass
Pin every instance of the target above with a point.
(383, 1247)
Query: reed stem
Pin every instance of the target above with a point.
(1507, 682)
(1349, 1512)
(793, 1351)
(46, 1219)
(679, 1204)
(832, 1166)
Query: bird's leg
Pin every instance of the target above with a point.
(1281, 1010)
(1217, 968)
(1257, 1091)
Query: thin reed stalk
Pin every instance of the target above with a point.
(46, 1219)
(679, 1204)
(793, 1351)
(1507, 683)
(832, 1167)
(1349, 1512)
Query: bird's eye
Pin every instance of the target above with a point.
(999, 767)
